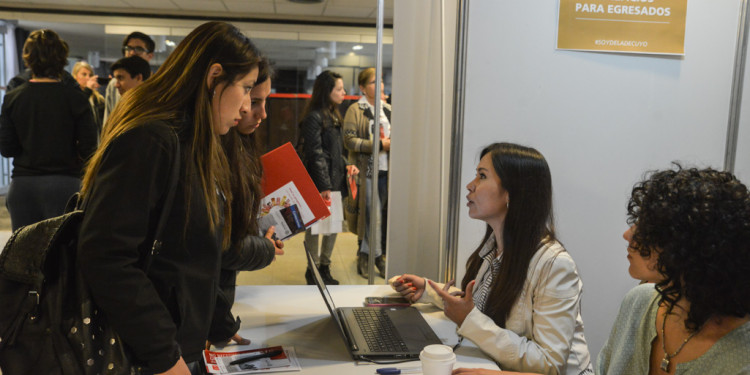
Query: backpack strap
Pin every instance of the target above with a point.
(166, 209)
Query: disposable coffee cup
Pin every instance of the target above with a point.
(437, 360)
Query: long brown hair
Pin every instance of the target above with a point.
(243, 154)
(178, 91)
(524, 173)
(321, 97)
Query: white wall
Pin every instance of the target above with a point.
(742, 158)
(600, 119)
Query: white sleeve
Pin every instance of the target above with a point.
(556, 305)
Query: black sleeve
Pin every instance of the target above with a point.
(10, 145)
(249, 254)
(121, 211)
(223, 324)
(85, 127)
(315, 158)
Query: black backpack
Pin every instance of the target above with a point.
(49, 323)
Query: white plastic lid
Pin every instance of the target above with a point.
(438, 352)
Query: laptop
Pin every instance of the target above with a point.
(378, 333)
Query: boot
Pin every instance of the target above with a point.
(362, 265)
(309, 277)
(325, 273)
(380, 264)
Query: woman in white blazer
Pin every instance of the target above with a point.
(520, 298)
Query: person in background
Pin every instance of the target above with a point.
(520, 299)
(129, 73)
(163, 316)
(362, 145)
(248, 251)
(135, 44)
(325, 159)
(88, 81)
(689, 239)
(48, 128)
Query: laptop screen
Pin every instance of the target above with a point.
(324, 291)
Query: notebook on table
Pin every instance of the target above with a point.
(378, 333)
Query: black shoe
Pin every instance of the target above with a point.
(309, 277)
(325, 273)
(362, 265)
(380, 264)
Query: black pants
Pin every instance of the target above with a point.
(35, 198)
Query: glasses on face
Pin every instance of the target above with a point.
(138, 50)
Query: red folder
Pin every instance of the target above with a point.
(282, 165)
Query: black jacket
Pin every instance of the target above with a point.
(168, 311)
(324, 151)
(48, 129)
(250, 254)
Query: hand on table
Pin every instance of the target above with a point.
(409, 286)
(456, 306)
(236, 338)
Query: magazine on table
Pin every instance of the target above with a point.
(254, 361)
(291, 202)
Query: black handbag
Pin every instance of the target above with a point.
(49, 322)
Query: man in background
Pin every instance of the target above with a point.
(129, 72)
(135, 44)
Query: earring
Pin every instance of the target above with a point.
(507, 204)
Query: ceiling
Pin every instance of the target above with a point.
(292, 35)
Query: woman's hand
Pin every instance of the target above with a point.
(278, 246)
(236, 338)
(386, 144)
(180, 368)
(93, 82)
(411, 287)
(352, 170)
(326, 195)
(455, 307)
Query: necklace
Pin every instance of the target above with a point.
(665, 361)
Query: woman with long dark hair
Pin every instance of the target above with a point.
(163, 315)
(325, 159)
(520, 298)
(689, 236)
(248, 251)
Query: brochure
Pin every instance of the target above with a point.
(261, 361)
(291, 203)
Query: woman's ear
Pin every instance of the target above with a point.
(214, 71)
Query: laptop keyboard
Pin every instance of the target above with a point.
(379, 331)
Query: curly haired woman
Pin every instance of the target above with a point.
(690, 235)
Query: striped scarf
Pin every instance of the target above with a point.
(485, 282)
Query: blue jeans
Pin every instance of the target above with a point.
(364, 247)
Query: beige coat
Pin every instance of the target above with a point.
(358, 142)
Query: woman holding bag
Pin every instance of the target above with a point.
(325, 159)
(163, 316)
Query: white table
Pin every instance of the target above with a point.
(297, 316)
